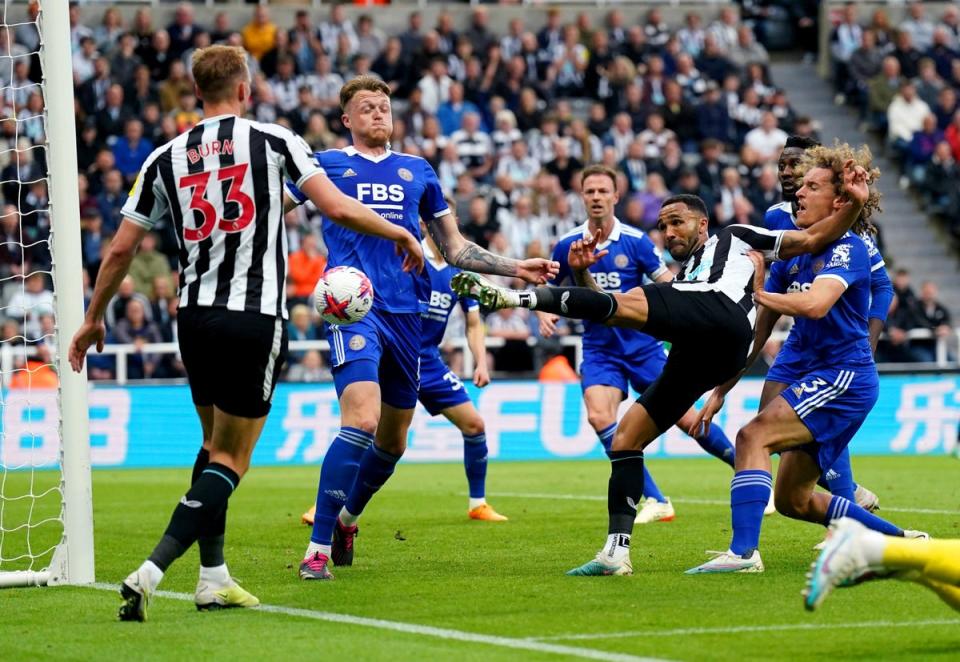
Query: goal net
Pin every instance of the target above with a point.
(45, 498)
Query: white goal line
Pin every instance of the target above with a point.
(423, 630)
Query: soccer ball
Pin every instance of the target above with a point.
(343, 295)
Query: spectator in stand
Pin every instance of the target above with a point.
(450, 113)
(731, 191)
(435, 85)
(904, 118)
(148, 264)
(521, 227)
(844, 40)
(83, 62)
(111, 199)
(906, 54)
(881, 90)
(112, 117)
(518, 165)
(928, 83)
(764, 194)
(311, 369)
(921, 149)
(306, 266)
(157, 55)
(946, 107)
(747, 49)
(163, 305)
(950, 23)
(651, 198)
(480, 226)
(932, 315)
(91, 239)
(940, 186)
(724, 30)
(92, 93)
(124, 59)
(767, 140)
(692, 34)
(141, 91)
(137, 330)
(176, 83)
(943, 52)
(260, 34)
(31, 302)
(300, 327)
(131, 150)
(918, 26)
(474, 147)
(183, 29)
(564, 166)
(864, 64)
(903, 317)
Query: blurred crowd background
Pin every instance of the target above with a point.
(507, 118)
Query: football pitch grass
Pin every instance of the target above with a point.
(428, 583)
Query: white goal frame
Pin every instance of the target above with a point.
(73, 559)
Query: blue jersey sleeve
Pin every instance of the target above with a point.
(560, 255)
(881, 289)
(777, 277)
(881, 293)
(845, 260)
(432, 204)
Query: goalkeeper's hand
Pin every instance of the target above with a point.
(89, 333)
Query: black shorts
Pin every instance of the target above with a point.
(710, 338)
(233, 359)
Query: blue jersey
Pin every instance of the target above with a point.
(841, 337)
(780, 217)
(440, 302)
(632, 256)
(399, 187)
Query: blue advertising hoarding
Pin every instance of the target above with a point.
(156, 426)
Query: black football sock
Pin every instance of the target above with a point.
(576, 302)
(624, 490)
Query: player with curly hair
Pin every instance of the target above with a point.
(813, 419)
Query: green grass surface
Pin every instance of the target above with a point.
(419, 560)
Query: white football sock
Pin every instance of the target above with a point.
(313, 548)
(347, 518)
(217, 574)
(476, 503)
(153, 574)
(617, 548)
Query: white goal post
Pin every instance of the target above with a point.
(71, 559)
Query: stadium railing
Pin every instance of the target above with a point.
(9, 354)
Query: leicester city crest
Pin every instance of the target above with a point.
(621, 261)
(405, 175)
(357, 343)
(818, 266)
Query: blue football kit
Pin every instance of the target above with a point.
(839, 384)
(440, 387)
(384, 346)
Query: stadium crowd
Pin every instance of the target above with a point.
(507, 120)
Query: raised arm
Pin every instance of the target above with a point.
(815, 238)
(466, 255)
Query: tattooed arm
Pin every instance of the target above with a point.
(460, 252)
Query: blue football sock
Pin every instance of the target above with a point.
(838, 479)
(650, 488)
(376, 467)
(475, 464)
(840, 507)
(749, 494)
(606, 437)
(337, 475)
(716, 443)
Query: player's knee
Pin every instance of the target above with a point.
(473, 426)
(749, 437)
(365, 421)
(599, 420)
(792, 503)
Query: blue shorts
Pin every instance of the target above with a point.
(382, 347)
(440, 388)
(833, 403)
(603, 368)
(788, 368)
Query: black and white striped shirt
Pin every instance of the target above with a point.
(221, 185)
(721, 264)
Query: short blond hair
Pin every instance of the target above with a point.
(360, 84)
(218, 69)
(833, 158)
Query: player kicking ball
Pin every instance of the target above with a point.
(707, 314)
(813, 420)
(441, 391)
(616, 359)
(854, 554)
